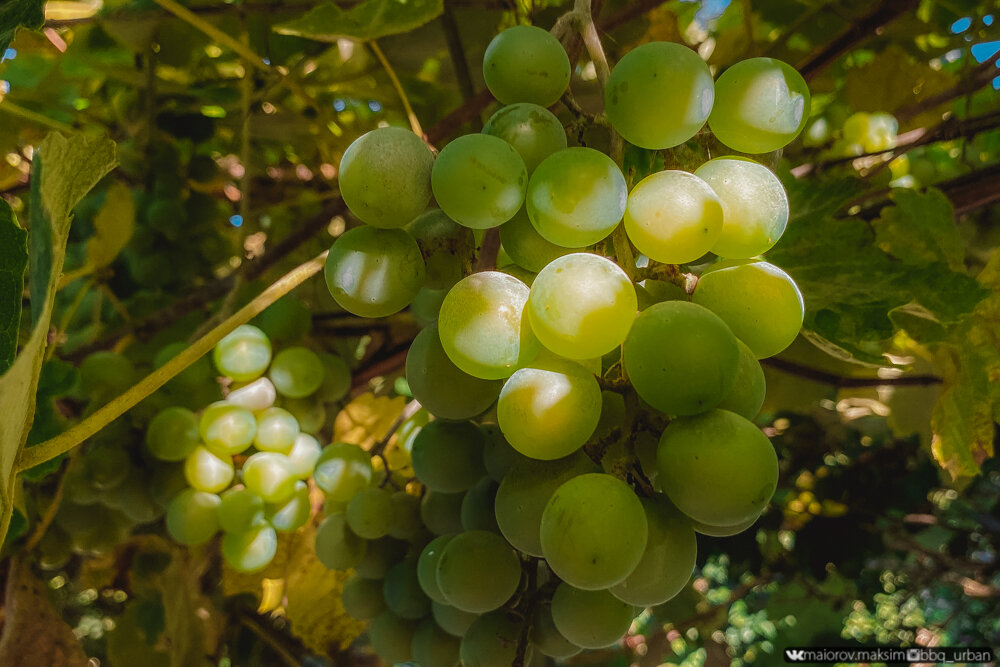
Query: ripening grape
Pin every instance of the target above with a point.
(374, 272)
(392, 637)
(380, 557)
(362, 598)
(337, 547)
(303, 455)
(749, 388)
(208, 471)
(285, 320)
(590, 619)
(482, 327)
(172, 434)
(448, 248)
(673, 217)
(593, 531)
(576, 197)
(433, 647)
(478, 506)
(681, 358)
(385, 177)
(442, 512)
(546, 637)
(369, 514)
(293, 513)
(526, 64)
(256, 396)
(342, 470)
(659, 95)
(250, 551)
(427, 567)
(296, 372)
(498, 455)
(426, 304)
(192, 517)
(240, 510)
(448, 456)
(227, 428)
(309, 412)
(478, 571)
(724, 531)
(453, 621)
(526, 246)
(533, 131)
(761, 104)
(269, 475)
(479, 181)
(717, 468)
(336, 378)
(406, 521)
(402, 591)
(276, 430)
(243, 354)
(759, 302)
(491, 641)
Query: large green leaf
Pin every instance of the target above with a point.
(920, 229)
(13, 261)
(16, 13)
(369, 20)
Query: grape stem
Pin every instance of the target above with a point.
(531, 596)
(487, 259)
(410, 115)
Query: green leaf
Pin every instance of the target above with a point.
(13, 261)
(920, 229)
(113, 226)
(369, 20)
(15, 13)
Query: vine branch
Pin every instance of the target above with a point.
(842, 381)
(410, 115)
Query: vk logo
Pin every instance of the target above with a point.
(792, 655)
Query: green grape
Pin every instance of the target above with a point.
(593, 531)
(303, 455)
(759, 302)
(652, 291)
(256, 396)
(80, 491)
(362, 598)
(673, 217)
(581, 306)
(749, 389)
(526, 64)
(717, 468)
(548, 412)
(296, 372)
(309, 412)
(336, 546)
(427, 567)
(285, 320)
(526, 247)
(240, 510)
(445, 390)
(133, 499)
(724, 531)
(380, 556)
(448, 248)
(193, 517)
(590, 619)
(881, 134)
(479, 181)
(402, 591)
(453, 621)
(251, 551)
(667, 562)
(391, 637)
(754, 206)
(374, 272)
(107, 464)
(110, 529)
(612, 414)
(498, 455)
(291, 514)
(105, 374)
(482, 328)
(659, 95)
(533, 131)
(227, 428)
(172, 434)
(276, 430)
(54, 549)
(576, 197)
(681, 358)
(524, 493)
(433, 647)
(426, 305)
(645, 451)
(244, 354)
(208, 471)
(269, 475)
(761, 104)
(525, 276)
(193, 387)
(547, 638)
(369, 514)
(478, 512)
(448, 456)
(342, 470)
(491, 641)
(442, 512)
(406, 521)
(384, 176)
(336, 378)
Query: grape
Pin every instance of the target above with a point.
(673, 217)
(478, 511)
(336, 546)
(761, 104)
(427, 567)
(442, 512)
(440, 386)
(749, 389)
(243, 354)
(208, 471)
(491, 641)
(433, 647)
(550, 411)
(384, 176)
(303, 455)
(479, 181)
(380, 556)
(192, 517)
(667, 562)
(309, 412)
(547, 638)
(590, 619)
(881, 132)
(659, 95)
(402, 591)
(106, 374)
(482, 328)
(172, 434)
(240, 510)
(369, 514)
(498, 455)
(717, 468)
(133, 499)
(754, 206)
(478, 571)
(533, 131)
(250, 551)
(277, 430)
(526, 64)
(336, 378)
(525, 491)
(652, 291)
(759, 302)
(227, 428)
(406, 521)
(581, 306)
(448, 248)
(342, 470)
(296, 372)
(256, 396)
(426, 304)
(681, 358)
(612, 414)
(392, 637)
(453, 621)
(54, 549)
(269, 475)
(724, 531)
(526, 247)
(374, 272)
(448, 456)
(576, 197)
(290, 515)
(285, 320)
(362, 598)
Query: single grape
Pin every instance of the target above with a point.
(133, 498)
(391, 637)
(336, 378)
(192, 517)
(251, 551)
(381, 555)
(277, 430)
(724, 531)
(172, 434)
(427, 567)
(453, 621)
(208, 471)
(285, 320)
(533, 131)
(406, 522)
(448, 248)
(498, 455)
(402, 591)
(526, 247)
(433, 647)
(464, 561)
(269, 475)
(227, 428)
(291, 514)
(478, 506)
(426, 304)
(296, 372)
(369, 514)
(336, 546)
(749, 388)
(491, 641)
(448, 456)
(526, 64)
(106, 374)
(590, 619)
(442, 512)
(240, 510)
(362, 598)
(547, 638)
(309, 412)
(243, 354)
(256, 396)
(342, 470)
(479, 181)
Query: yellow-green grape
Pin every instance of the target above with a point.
(673, 217)
(448, 456)
(759, 302)
(717, 468)
(380, 556)
(461, 567)
(659, 95)
(208, 471)
(256, 396)
(240, 510)
(296, 372)
(761, 104)
(374, 272)
(478, 506)
(172, 434)
(442, 512)
(681, 358)
(276, 430)
(593, 532)
(427, 567)
(667, 562)
(243, 354)
(309, 412)
(402, 591)
(749, 388)
(581, 306)
(482, 327)
(855, 129)
(391, 637)
(303, 455)
(448, 248)
(227, 428)
(343, 470)
(576, 197)
(453, 621)
(547, 638)
(724, 531)
(192, 517)
(526, 246)
(369, 514)
(526, 64)
(337, 547)
(336, 378)
(533, 131)
(754, 206)
(882, 128)
(293, 513)
(269, 475)
(362, 598)
(491, 641)
(590, 619)
(479, 181)
(652, 291)
(433, 647)
(251, 551)
(406, 521)
(525, 276)
(385, 177)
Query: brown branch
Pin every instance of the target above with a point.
(384, 366)
(842, 381)
(630, 11)
(967, 193)
(487, 259)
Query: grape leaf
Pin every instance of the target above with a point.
(369, 20)
(13, 261)
(920, 229)
(113, 226)
(16, 13)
